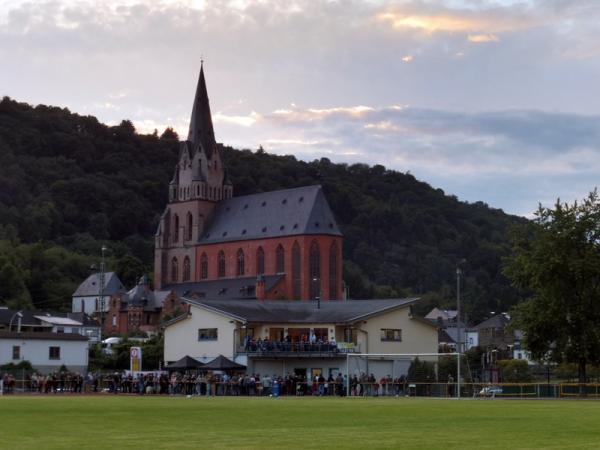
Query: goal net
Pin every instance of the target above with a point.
(402, 374)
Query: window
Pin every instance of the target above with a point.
(333, 271)
(241, 265)
(175, 228)
(190, 226)
(16, 353)
(203, 266)
(221, 264)
(207, 334)
(315, 270)
(174, 270)
(391, 334)
(260, 261)
(186, 269)
(280, 259)
(54, 353)
(296, 260)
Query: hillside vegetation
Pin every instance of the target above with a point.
(69, 184)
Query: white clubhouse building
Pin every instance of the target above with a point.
(302, 337)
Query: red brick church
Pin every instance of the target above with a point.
(210, 245)
(273, 245)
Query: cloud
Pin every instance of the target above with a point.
(508, 124)
(482, 38)
(453, 150)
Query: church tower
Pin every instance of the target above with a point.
(199, 182)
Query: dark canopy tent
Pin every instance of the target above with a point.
(185, 363)
(222, 363)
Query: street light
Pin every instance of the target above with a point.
(18, 314)
(458, 325)
(101, 292)
(317, 291)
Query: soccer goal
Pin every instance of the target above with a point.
(388, 373)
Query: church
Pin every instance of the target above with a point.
(273, 245)
(238, 263)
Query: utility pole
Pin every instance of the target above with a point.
(458, 329)
(101, 292)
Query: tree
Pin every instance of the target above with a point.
(556, 258)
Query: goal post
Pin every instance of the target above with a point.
(397, 363)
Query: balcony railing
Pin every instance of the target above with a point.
(297, 349)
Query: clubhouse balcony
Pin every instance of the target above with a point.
(283, 349)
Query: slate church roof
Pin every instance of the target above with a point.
(288, 212)
(91, 285)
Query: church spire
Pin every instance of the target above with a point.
(201, 126)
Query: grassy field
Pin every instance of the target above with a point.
(112, 422)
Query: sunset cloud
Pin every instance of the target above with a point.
(490, 100)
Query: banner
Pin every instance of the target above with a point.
(135, 359)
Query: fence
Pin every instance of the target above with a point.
(290, 387)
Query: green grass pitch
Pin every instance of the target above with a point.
(118, 422)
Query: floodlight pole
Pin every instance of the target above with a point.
(101, 292)
(458, 329)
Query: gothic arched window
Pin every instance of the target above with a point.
(190, 226)
(241, 263)
(221, 264)
(296, 271)
(174, 270)
(260, 261)
(315, 270)
(203, 266)
(333, 271)
(186, 269)
(175, 228)
(280, 259)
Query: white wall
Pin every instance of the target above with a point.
(181, 338)
(73, 354)
(89, 304)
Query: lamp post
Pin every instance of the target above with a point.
(317, 291)
(458, 329)
(18, 314)
(101, 292)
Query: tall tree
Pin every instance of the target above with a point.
(557, 259)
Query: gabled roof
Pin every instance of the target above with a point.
(91, 285)
(33, 318)
(201, 126)
(272, 214)
(59, 321)
(496, 321)
(42, 336)
(223, 288)
(444, 314)
(291, 311)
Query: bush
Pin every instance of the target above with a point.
(515, 371)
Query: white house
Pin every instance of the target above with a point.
(87, 298)
(46, 352)
(283, 336)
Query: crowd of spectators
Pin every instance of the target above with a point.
(208, 384)
(304, 343)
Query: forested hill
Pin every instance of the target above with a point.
(69, 184)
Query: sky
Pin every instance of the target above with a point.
(490, 100)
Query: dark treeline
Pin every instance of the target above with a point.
(69, 184)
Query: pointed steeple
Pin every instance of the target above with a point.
(201, 126)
